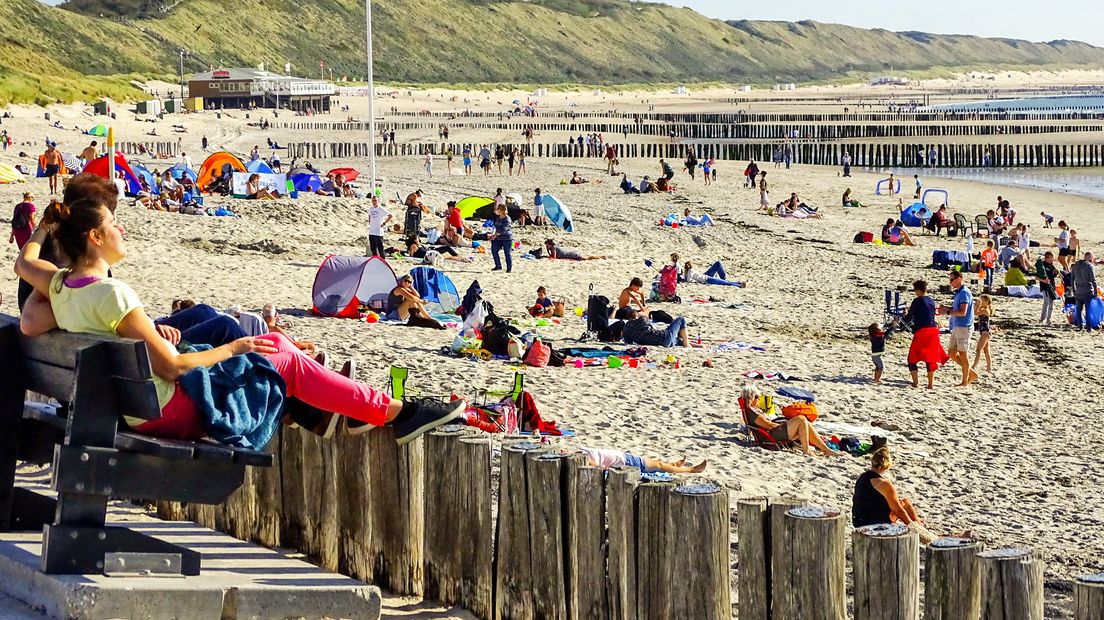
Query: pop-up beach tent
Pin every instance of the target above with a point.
(468, 206)
(98, 167)
(345, 282)
(181, 169)
(911, 215)
(558, 213)
(143, 173)
(259, 166)
(98, 130)
(435, 286)
(212, 167)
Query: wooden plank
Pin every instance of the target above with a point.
(513, 596)
(113, 473)
(546, 535)
(397, 511)
(60, 348)
(11, 415)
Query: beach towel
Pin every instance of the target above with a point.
(797, 393)
(927, 348)
(738, 346)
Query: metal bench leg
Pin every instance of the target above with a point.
(74, 550)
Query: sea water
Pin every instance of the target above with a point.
(1077, 181)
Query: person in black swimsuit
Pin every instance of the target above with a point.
(876, 500)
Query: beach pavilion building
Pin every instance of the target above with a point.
(237, 89)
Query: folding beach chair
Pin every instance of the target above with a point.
(760, 436)
(893, 316)
(981, 225)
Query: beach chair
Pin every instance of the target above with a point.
(760, 436)
(962, 227)
(981, 225)
(894, 314)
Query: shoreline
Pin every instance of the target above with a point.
(1088, 184)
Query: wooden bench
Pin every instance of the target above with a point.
(94, 456)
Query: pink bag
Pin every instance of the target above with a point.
(538, 354)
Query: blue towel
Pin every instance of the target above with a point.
(241, 400)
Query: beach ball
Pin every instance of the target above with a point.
(371, 317)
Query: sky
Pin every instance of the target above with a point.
(1079, 20)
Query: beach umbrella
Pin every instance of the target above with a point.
(350, 174)
(71, 161)
(98, 130)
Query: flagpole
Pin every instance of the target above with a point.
(371, 98)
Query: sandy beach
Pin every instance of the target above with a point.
(1014, 458)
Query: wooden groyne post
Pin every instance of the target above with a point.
(1088, 597)
(887, 572)
(952, 580)
(1011, 585)
(813, 570)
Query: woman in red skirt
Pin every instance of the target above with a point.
(926, 346)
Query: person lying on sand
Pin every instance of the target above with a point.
(793, 207)
(876, 500)
(639, 330)
(695, 220)
(607, 458)
(578, 180)
(715, 274)
(797, 429)
(556, 251)
(414, 249)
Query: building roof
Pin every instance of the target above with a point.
(246, 73)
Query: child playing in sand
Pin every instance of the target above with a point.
(608, 459)
(542, 308)
(983, 312)
(1048, 219)
(877, 348)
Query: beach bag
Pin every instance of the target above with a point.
(514, 347)
(668, 283)
(538, 354)
(794, 410)
(864, 237)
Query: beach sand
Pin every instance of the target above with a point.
(1014, 458)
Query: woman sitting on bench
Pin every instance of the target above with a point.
(85, 299)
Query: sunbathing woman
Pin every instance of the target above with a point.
(797, 429)
(715, 274)
(609, 459)
(793, 207)
(691, 220)
(414, 249)
(850, 202)
(85, 299)
(405, 304)
(554, 251)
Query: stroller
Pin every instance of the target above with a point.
(598, 320)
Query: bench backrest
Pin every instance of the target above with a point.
(64, 365)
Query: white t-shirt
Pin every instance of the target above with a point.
(1025, 241)
(120, 186)
(1063, 240)
(604, 457)
(376, 217)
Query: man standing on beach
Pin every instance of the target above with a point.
(1084, 289)
(961, 312)
(378, 217)
(846, 161)
(52, 160)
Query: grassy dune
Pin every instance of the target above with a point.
(465, 41)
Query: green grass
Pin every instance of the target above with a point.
(477, 44)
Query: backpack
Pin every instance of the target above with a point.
(808, 410)
(668, 283)
(496, 335)
(19, 219)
